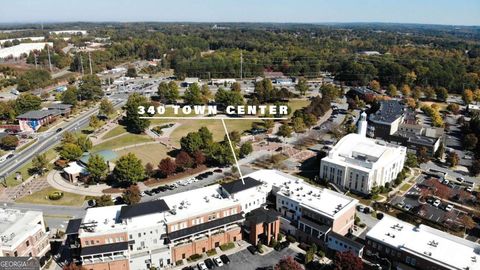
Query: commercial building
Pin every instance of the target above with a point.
(359, 163)
(22, 49)
(386, 120)
(416, 136)
(175, 227)
(31, 121)
(23, 234)
(406, 246)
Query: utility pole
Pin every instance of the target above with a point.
(81, 64)
(49, 61)
(90, 63)
(35, 56)
(241, 65)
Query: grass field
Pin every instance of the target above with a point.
(115, 132)
(297, 104)
(124, 140)
(405, 187)
(152, 153)
(40, 197)
(24, 170)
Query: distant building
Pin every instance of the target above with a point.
(473, 108)
(406, 246)
(61, 109)
(385, 121)
(189, 81)
(416, 136)
(359, 163)
(31, 121)
(369, 53)
(23, 234)
(22, 49)
(362, 93)
(341, 243)
(75, 170)
(69, 32)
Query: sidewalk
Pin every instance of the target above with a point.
(56, 180)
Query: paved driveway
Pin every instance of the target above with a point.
(244, 260)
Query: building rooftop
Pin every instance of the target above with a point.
(195, 202)
(102, 219)
(328, 202)
(143, 209)
(362, 153)
(431, 244)
(108, 248)
(262, 215)
(16, 225)
(59, 106)
(389, 112)
(38, 114)
(237, 186)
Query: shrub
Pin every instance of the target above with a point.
(227, 246)
(291, 239)
(211, 252)
(55, 195)
(321, 253)
(179, 262)
(280, 237)
(260, 248)
(195, 257)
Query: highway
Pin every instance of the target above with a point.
(47, 140)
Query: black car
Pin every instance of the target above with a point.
(149, 192)
(218, 170)
(265, 268)
(252, 249)
(209, 263)
(282, 246)
(58, 130)
(10, 156)
(225, 259)
(188, 268)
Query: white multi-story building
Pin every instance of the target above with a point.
(359, 163)
(23, 234)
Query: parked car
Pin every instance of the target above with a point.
(218, 170)
(218, 261)
(209, 263)
(252, 249)
(401, 204)
(281, 246)
(460, 179)
(202, 266)
(445, 182)
(188, 268)
(449, 208)
(469, 189)
(408, 207)
(436, 203)
(149, 192)
(360, 208)
(225, 259)
(265, 268)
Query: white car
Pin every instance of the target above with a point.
(436, 203)
(449, 208)
(469, 189)
(202, 266)
(218, 262)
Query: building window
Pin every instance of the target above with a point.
(27, 243)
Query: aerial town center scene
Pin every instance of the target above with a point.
(239, 135)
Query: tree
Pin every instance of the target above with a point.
(168, 93)
(411, 160)
(97, 167)
(9, 142)
(129, 169)
(221, 154)
(470, 141)
(422, 155)
(406, 90)
(131, 72)
(429, 92)
(454, 108)
(193, 95)
(476, 95)
(166, 167)
(298, 125)
(475, 167)
(467, 96)
(27, 102)
(40, 163)
(149, 170)
(288, 263)
(246, 149)
(440, 151)
(132, 118)
(132, 195)
(206, 136)
(183, 160)
(106, 108)
(104, 200)
(374, 85)
(70, 96)
(228, 98)
(68, 137)
(198, 157)
(416, 93)
(90, 88)
(84, 142)
(392, 90)
(330, 91)
(192, 142)
(206, 93)
(236, 87)
(347, 261)
(95, 123)
(468, 222)
(442, 93)
(235, 137)
(302, 86)
(268, 124)
(285, 131)
(453, 159)
(70, 151)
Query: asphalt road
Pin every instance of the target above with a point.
(244, 260)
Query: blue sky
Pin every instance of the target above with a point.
(461, 12)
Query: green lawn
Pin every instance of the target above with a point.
(298, 104)
(124, 140)
(405, 187)
(24, 169)
(152, 153)
(40, 197)
(115, 132)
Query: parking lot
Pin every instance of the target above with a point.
(244, 260)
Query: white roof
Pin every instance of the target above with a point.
(16, 225)
(105, 218)
(22, 38)
(325, 201)
(439, 247)
(74, 168)
(196, 202)
(18, 50)
(360, 152)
